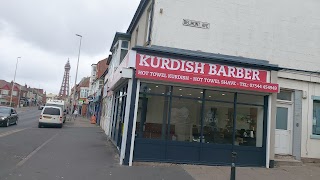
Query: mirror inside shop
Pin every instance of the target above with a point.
(176, 114)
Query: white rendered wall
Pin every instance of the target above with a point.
(309, 147)
(284, 32)
(142, 30)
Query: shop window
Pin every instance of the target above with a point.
(187, 92)
(152, 117)
(198, 115)
(218, 122)
(185, 120)
(250, 99)
(249, 125)
(220, 96)
(316, 118)
(154, 89)
(284, 95)
(118, 115)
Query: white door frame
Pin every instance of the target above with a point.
(289, 105)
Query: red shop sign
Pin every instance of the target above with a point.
(198, 73)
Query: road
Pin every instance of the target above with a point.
(79, 150)
(27, 119)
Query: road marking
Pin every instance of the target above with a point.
(35, 151)
(11, 132)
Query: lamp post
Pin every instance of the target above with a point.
(75, 81)
(14, 79)
(19, 96)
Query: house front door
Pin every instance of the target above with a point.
(283, 132)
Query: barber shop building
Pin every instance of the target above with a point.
(187, 87)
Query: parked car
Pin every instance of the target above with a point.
(8, 116)
(51, 116)
(58, 103)
(40, 107)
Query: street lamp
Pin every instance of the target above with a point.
(75, 81)
(14, 79)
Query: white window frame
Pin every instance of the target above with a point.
(14, 93)
(314, 98)
(122, 48)
(5, 92)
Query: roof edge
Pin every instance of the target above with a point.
(119, 35)
(137, 15)
(218, 58)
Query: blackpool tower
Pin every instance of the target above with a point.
(64, 90)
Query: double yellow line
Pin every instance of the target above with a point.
(11, 132)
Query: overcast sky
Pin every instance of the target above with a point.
(43, 32)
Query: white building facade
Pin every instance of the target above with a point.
(285, 33)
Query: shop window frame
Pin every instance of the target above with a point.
(117, 96)
(204, 100)
(242, 150)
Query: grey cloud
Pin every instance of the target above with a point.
(43, 33)
(51, 25)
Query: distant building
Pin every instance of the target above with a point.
(24, 95)
(96, 87)
(82, 92)
(51, 96)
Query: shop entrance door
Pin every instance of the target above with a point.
(283, 132)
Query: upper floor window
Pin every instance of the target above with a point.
(124, 50)
(14, 93)
(148, 31)
(115, 49)
(5, 92)
(125, 44)
(136, 36)
(84, 93)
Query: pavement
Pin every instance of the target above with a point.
(81, 150)
(307, 171)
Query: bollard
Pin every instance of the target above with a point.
(233, 166)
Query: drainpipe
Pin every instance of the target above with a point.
(268, 133)
(151, 23)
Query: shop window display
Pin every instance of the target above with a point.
(186, 119)
(153, 112)
(118, 115)
(249, 129)
(218, 122)
(220, 96)
(197, 115)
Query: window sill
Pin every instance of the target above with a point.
(315, 137)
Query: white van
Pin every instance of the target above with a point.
(51, 116)
(58, 103)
